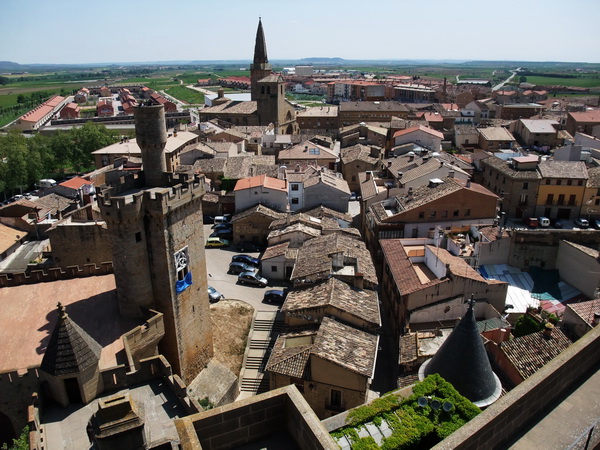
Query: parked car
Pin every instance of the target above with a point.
(596, 224)
(225, 234)
(252, 278)
(276, 296)
(222, 226)
(207, 219)
(532, 222)
(544, 222)
(247, 259)
(239, 267)
(216, 242)
(214, 295)
(222, 219)
(558, 224)
(249, 246)
(580, 222)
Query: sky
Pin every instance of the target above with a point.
(77, 32)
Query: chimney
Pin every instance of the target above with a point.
(548, 330)
(359, 280)
(297, 168)
(389, 163)
(468, 185)
(450, 173)
(596, 319)
(220, 93)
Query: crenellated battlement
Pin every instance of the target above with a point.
(55, 274)
(180, 189)
(13, 376)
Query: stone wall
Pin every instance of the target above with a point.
(282, 411)
(540, 248)
(66, 241)
(529, 401)
(18, 390)
(142, 341)
(54, 274)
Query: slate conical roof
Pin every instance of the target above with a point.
(70, 350)
(463, 362)
(260, 46)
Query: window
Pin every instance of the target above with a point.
(572, 198)
(138, 236)
(522, 199)
(444, 214)
(182, 263)
(558, 182)
(456, 213)
(569, 182)
(273, 268)
(421, 214)
(432, 214)
(336, 398)
(467, 213)
(549, 199)
(547, 181)
(561, 199)
(295, 187)
(525, 185)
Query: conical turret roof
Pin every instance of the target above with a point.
(260, 46)
(463, 362)
(70, 350)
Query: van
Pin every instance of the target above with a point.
(46, 183)
(221, 219)
(544, 221)
(532, 222)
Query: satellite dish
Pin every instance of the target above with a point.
(447, 406)
(422, 401)
(435, 405)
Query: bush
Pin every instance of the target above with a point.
(526, 325)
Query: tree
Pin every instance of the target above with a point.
(522, 79)
(14, 152)
(90, 137)
(526, 325)
(20, 443)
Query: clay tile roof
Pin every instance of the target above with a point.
(261, 180)
(358, 152)
(496, 134)
(275, 250)
(563, 169)
(401, 267)
(258, 209)
(587, 116)
(586, 310)
(9, 237)
(345, 346)
(75, 183)
(70, 349)
(457, 266)
(594, 177)
(292, 361)
(418, 128)
(360, 303)
(315, 257)
(504, 168)
(531, 352)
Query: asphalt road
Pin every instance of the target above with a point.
(217, 264)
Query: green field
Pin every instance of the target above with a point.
(186, 95)
(583, 81)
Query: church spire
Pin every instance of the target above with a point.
(260, 47)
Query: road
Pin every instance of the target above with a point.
(217, 264)
(500, 85)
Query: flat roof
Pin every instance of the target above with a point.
(28, 317)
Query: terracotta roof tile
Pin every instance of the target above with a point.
(360, 303)
(531, 352)
(261, 180)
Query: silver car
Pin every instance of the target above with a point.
(252, 278)
(214, 295)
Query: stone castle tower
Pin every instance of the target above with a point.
(157, 238)
(268, 90)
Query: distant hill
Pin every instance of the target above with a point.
(9, 66)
